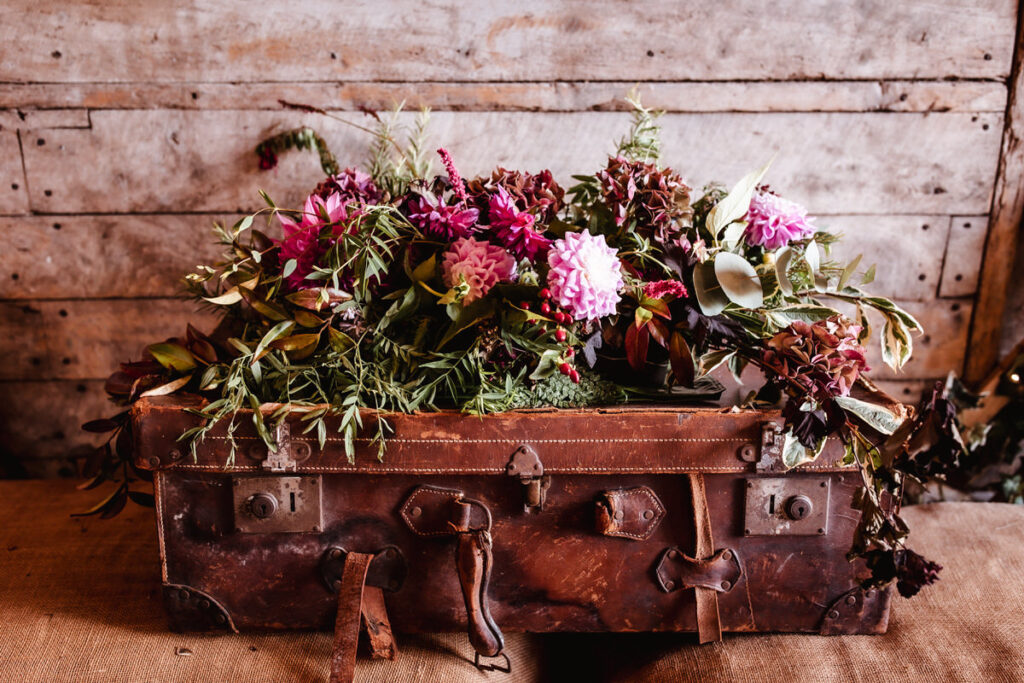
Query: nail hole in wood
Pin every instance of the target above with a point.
(56, 226)
(958, 278)
(48, 193)
(55, 54)
(955, 307)
(921, 277)
(14, 186)
(40, 142)
(925, 226)
(62, 313)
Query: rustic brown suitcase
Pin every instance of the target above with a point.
(618, 519)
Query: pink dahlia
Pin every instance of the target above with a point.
(514, 227)
(774, 222)
(585, 275)
(481, 265)
(665, 289)
(437, 219)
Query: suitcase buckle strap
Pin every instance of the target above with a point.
(677, 570)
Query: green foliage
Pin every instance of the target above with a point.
(643, 143)
(300, 139)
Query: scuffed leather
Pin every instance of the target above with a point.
(473, 561)
(346, 626)
(632, 513)
(677, 570)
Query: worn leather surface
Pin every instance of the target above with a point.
(629, 513)
(678, 571)
(709, 620)
(350, 608)
(377, 624)
(80, 603)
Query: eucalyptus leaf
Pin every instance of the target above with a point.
(739, 280)
(735, 205)
(172, 356)
(808, 313)
(812, 257)
(782, 258)
(710, 295)
(795, 453)
(878, 417)
(232, 296)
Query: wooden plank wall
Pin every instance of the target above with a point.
(126, 128)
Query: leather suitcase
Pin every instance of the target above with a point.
(616, 519)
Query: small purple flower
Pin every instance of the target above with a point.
(514, 227)
(585, 276)
(774, 222)
(437, 219)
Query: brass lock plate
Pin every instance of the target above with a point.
(786, 506)
(276, 504)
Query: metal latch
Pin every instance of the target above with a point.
(526, 465)
(792, 505)
(286, 454)
(275, 504)
(772, 440)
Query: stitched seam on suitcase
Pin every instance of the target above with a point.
(509, 441)
(497, 470)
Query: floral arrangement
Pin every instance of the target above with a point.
(398, 290)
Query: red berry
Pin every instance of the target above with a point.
(565, 369)
(574, 376)
(545, 308)
(525, 305)
(569, 352)
(544, 293)
(560, 335)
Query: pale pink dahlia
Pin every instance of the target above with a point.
(514, 227)
(774, 222)
(585, 276)
(481, 265)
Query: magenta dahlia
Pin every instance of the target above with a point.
(514, 227)
(480, 265)
(302, 238)
(774, 222)
(585, 276)
(437, 219)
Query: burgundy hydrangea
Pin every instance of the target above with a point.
(439, 220)
(352, 186)
(656, 199)
(537, 193)
(911, 571)
(825, 357)
(514, 228)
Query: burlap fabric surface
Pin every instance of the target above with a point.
(80, 602)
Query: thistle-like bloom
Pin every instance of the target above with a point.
(774, 222)
(436, 219)
(481, 265)
(825, 358)
(514, 227)
(585, 276)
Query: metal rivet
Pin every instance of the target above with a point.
(316, 528)
(335, 553)
(727, 555)
(175, 454)
(726, 585)
(750, 484)
(833, 614)
(154, 461)
(205, 604)
(390, 552)
(238, 529)
(619, 514)
(669, 585)
(416, 511)
(183, 595)
(823, 484)
(821, 531)
(870, 593)
(336, 583)
(673, 554)
(648, 514)
(220, 619)
(746, 531)
(748, 452)
(850, 599)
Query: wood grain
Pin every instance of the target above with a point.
(13, 188)
(1002, 240)
(686, 97)
(534, 40)
(157, 161)
(87, 339)
(962, 262)
(62, 257)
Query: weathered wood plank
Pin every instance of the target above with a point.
(1002, 240)
(906, 251)
(61, 257)
(104, 256)
(745, 96)
(44, 429)
(172, 161)
(39, 119)
(962, 261)
(13, 192)
(537, 40)
(86, 339)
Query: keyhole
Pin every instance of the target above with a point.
(262, 505)
(798, 507)
(293, 501)
(771, 505)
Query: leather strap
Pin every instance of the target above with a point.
(346, 626)
(473, 561)
(377, 624)
(709, 623)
